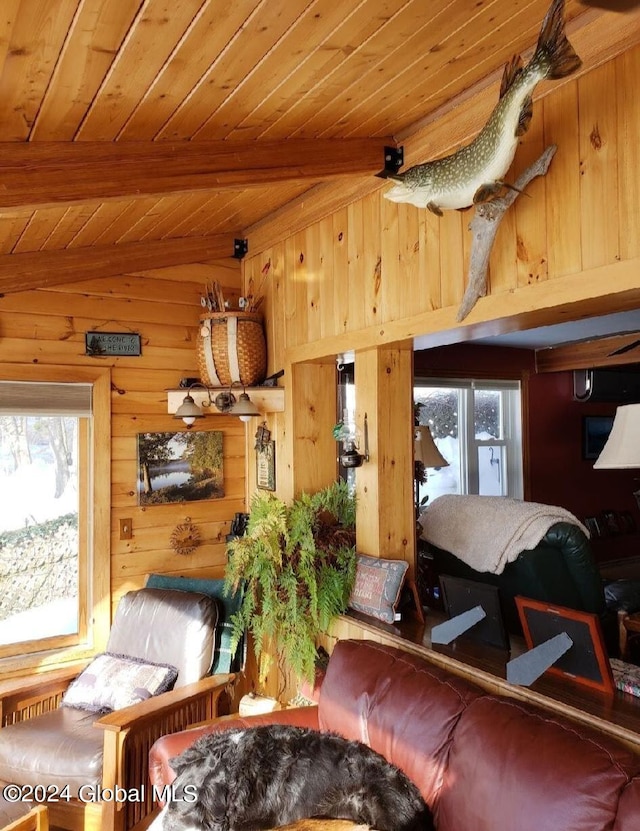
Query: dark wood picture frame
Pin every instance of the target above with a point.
(593, 524)
(595, 432)
(586, 663)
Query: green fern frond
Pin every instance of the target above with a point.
(296, 573)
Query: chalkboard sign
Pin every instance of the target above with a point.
(586, 662)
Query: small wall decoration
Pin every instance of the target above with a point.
(101, 344)
(266, 466)
(185, 538)
(179, 467)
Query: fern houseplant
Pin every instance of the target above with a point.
(296, 565)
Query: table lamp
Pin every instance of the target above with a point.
(622, 448)
(425, 454)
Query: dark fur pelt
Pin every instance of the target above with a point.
(272, 775)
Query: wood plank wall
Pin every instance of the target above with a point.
(377, 273)
(48, 327)
(376, 270)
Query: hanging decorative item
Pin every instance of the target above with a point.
(185, 538)
(484, 227)
(475, 173)
(266, 466)
(231, 346)
(180, 467)
(262, 436)
(102, 344)
(265, 449)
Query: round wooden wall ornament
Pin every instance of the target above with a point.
(185, 538)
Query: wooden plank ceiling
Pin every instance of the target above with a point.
(139, 133)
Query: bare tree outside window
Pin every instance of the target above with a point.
(38, 527)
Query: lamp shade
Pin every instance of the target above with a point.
(623, 445)
(188, 411)
(244, 408)
(425, 450)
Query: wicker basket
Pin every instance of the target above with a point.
(231, 347)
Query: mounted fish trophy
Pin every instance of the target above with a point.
(474, 174)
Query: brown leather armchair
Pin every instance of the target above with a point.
(89, 761)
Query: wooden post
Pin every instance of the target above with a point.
(385, 523)
(311, 418)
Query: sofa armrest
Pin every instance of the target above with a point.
(166, 747)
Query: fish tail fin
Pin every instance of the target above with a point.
(553, 45)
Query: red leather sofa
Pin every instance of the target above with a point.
(482, 762)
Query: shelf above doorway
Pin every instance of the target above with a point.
(266, 399)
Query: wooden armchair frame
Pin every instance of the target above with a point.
(36, 820)
(128, 736)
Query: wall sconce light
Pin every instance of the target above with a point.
(349, 434)
(224, 402)
(189, 411)
(244, 408)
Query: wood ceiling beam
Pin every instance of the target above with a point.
(587, 354)
(44, 174)
(40, 269)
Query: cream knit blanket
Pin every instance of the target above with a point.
(487, 532)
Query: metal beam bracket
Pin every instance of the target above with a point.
(393, 159)
(240, 248)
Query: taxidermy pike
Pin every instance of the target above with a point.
(475, 172)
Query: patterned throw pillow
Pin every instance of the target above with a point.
(112, 682)
(377, 586)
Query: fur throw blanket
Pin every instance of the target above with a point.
(487, 532)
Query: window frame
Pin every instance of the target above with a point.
(95, 556)
(469, 444)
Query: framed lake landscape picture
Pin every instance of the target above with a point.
(179, 467)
